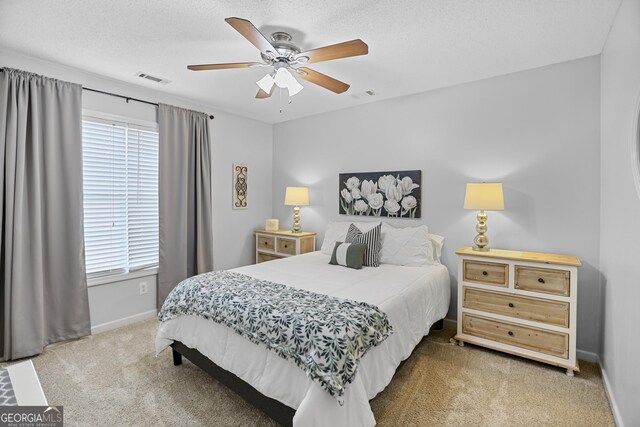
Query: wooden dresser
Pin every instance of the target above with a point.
(523, 303)
(272, 245)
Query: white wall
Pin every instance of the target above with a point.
(234, 139)
(241, 140)
(536, 131)
(620, 214)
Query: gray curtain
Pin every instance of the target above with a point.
(42, 269)
(186, 236)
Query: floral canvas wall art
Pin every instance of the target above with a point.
(385, 194)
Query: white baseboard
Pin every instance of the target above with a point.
(123, 322)
(587, 356)
(450, 324)
(612, 401)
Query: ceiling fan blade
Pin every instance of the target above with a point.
(336, 51)
(251, 33)
(204, 67)
(262, 94)
(323, 80)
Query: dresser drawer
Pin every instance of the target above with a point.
(286, 246)
(490, 273)
(534, 339)
(266, 242)
(521, 307)
(543, 280)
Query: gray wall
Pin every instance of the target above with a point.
(537, 131)
(620, 214)
(234, 139)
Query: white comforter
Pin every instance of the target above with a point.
(412, 297)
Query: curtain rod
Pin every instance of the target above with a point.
(127, 98)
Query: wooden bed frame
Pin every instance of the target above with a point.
(280, 412)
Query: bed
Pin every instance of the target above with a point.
(413, 298)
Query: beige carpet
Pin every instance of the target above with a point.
(114, 379)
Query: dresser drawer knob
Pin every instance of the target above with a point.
(266, 243)
(285, 246)
(540, 280)
(510, 333)
(484, 273)
(511, 304)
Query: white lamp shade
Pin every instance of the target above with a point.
(284, 79)
(294, 86)
(296, 196)
(484, 196)
(266, 83)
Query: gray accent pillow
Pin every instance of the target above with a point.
(348, 255)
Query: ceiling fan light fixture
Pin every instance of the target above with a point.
(266, 83)
(284, 79)
(294, 87)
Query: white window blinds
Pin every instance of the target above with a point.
(120, 172)
(142, 198)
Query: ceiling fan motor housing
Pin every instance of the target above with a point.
(285, 49)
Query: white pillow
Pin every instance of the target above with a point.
(436, 242)
(337, 232)
(408, 246)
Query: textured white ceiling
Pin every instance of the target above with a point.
(414, 46)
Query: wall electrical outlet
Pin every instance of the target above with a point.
(143, 288)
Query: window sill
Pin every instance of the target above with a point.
(105, 280)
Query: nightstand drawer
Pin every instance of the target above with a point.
(489, 273)
(287, 246)
(543, 280)
(266, 242)
(520, 307)
(534, 339)
(262, 257)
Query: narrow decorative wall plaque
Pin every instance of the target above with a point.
(240, 189)
(390, 194)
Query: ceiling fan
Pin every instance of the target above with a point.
(286, 58)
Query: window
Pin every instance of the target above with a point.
(120, 173)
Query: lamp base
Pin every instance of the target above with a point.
(296, 221)
(481, 241)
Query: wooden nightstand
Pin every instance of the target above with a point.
(272, 245)
(523, 303)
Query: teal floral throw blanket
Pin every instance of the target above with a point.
(323, 335)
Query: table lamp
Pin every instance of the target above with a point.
(483, 196)
(296, 196)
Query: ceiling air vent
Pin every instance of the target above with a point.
(365, 94)
(153, 78)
